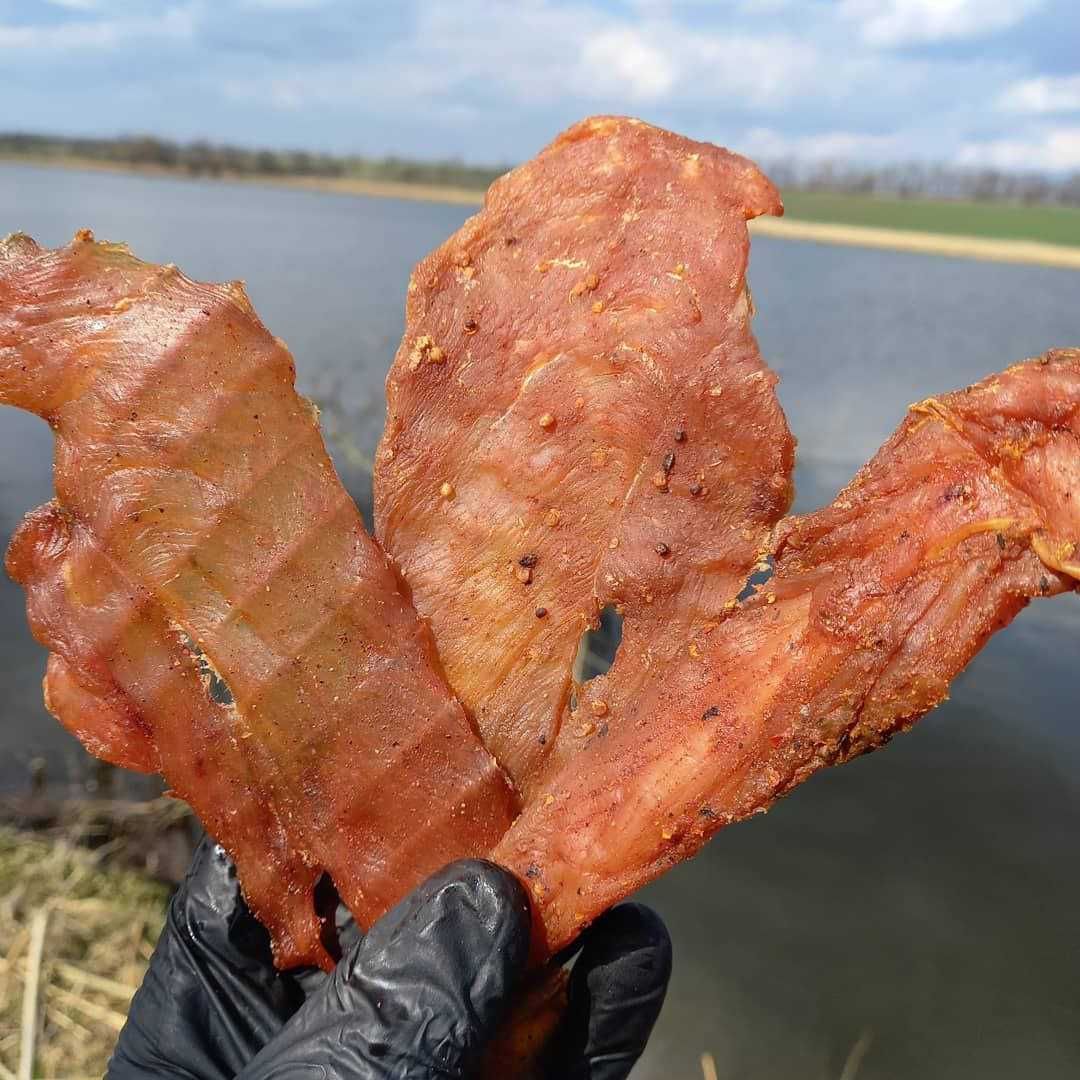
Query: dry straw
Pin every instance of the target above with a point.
(77, 937)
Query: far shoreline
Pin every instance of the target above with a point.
(375, 189)
(983, 248)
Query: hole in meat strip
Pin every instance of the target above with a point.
(762, 574)
(666, 461)
(598, 646)
(216, 686)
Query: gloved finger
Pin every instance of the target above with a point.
(211, 997)
(421, 994)
(617, 989)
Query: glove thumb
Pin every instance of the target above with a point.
(421, 994)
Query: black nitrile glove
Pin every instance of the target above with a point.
(418, 998)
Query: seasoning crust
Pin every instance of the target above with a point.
(205, 579)
(874, 604)
(599, 429)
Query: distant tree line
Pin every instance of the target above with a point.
(916, 180)
(201, 158)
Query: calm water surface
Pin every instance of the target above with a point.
(923, 900)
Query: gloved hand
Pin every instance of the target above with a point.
(418, 998)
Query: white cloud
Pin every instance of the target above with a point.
(544, 53)
(464, 62)
(81, 35)
(622, 59)
(661, 62)
(280, 5)
(847, 146)
(1053, 150)
(175, 22)
(758, 70)
(907, 22)
(1045, 94)
(492, 80)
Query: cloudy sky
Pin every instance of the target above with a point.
(993, 82)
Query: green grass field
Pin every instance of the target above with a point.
(1004, 221)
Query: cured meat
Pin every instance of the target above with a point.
(578, 416)
(204, 578)
(129, 665)
(874, 604)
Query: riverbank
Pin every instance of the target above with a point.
(78, 930)
(995, 232)
(378, 189)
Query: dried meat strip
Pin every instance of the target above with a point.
(578, 417)
(874, 605)
(214, 609)
(121, 680)
(206, 579)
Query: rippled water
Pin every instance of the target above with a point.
(922, 899)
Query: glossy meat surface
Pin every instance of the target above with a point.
(875, 603)
(578, 416)
(122, 682)
(204, 579)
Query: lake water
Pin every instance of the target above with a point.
(922, 900)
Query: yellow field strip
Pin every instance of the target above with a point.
(923, 243)
(378, 189)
